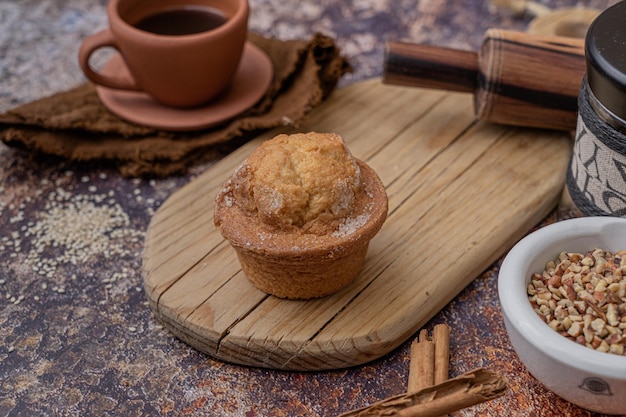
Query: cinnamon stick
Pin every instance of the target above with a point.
(441, 337)
(469, 389)
(421, 363)
(429, 359)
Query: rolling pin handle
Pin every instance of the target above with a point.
(428, 66)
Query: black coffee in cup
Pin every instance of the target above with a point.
(185, 20)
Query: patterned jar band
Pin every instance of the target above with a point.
(596, 179)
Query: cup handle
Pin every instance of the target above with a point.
(89, 46)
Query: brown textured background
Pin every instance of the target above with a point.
(78, 338)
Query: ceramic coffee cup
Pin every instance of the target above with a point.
(175, 67)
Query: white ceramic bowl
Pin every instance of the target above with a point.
(590, 379)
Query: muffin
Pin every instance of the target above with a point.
(300, 213)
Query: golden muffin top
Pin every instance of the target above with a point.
(306, 181)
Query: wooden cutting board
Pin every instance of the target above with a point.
(461, 193)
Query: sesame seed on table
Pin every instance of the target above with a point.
(77, 336)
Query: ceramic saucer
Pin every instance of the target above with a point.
(250, 84)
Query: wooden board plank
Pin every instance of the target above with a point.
(461, 193)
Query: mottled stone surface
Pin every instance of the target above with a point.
(76, 335)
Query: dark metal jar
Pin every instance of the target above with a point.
(596, 179)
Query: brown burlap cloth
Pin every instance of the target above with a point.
(75, 125)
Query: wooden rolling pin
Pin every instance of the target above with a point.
(517, 78)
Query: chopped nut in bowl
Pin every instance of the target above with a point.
(562, 291)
